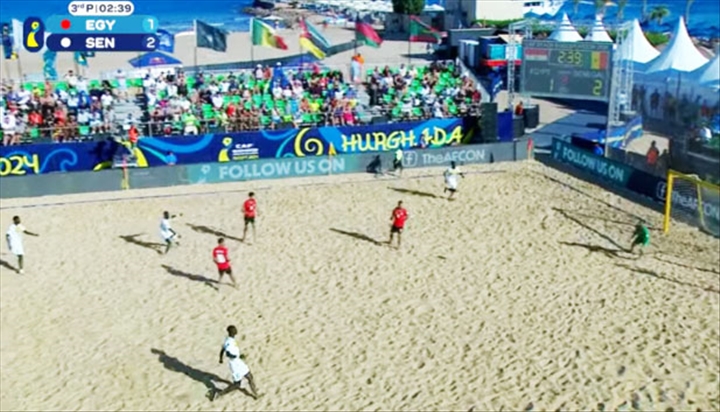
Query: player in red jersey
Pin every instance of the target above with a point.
(250, 212)
(398, 218)
(222, 260)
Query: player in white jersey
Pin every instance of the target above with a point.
(15, 241)
(167, 233)
(451, 179)
(238, 369)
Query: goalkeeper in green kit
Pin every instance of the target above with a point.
(641, 237)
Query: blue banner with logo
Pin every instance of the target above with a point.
(227, 147)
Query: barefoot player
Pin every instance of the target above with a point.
(238, 369)
(451, 179)
(398, 218)
(15, 241)
(167, 233)
(250, 211)
(641, 237)
(222, 260)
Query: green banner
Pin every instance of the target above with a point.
(599, 166)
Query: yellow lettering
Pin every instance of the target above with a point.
(349, 144)
(425, 137)
(456, 136)
(33, 162)
(380, 140)
(439, 137)
(597, 90)
(394, 140)
(5, 166)
(408, 138)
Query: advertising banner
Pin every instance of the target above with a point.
(626, 177)
(229, 147)
(599, 166)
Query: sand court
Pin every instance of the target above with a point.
(514, 296)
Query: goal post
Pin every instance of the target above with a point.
(689, 198)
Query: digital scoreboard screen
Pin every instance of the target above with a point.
(580, 70)
(93, 26)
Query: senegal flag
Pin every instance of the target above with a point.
(422, 33)
(264, 35)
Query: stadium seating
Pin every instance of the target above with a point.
(414, 92)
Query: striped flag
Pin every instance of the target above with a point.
(599, 60)
(536, 55)
(264, 35)
(364, 33)
(420, 32)
(312, 41)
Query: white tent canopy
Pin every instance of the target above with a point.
(680, 55)
(636, 46)
(708, 73)
(565, 31)
(598, 33)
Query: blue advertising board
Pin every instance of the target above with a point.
(227, 147)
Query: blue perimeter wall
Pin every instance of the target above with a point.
(625, 177)
(278, 168)
(226, 147)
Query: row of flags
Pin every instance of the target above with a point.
(310, 38)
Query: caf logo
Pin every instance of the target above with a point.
(33, 34)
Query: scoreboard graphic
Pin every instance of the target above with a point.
(581, 70)
(93, 26)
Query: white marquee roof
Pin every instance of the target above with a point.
(709, 73)
(637, 47)
(598, 33)
(565, 31)
(680, 54)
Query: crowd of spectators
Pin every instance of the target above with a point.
(176, 103)
(70, 110)
(439, 90)
(263, 98)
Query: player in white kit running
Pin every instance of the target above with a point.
(167, 233)
(238, 369)
(15, 242)
(451, 179)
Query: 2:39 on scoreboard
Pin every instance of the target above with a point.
(579, 70)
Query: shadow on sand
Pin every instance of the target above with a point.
(415, 192)
(195, 278)
(579, 222)
(133, 239)
(612, 253)
(210, 231)
(7, 265)
(356, 235)
(175, 365)
(656, 275)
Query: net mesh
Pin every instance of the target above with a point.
(695, 202)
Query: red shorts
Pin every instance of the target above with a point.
(224, 269)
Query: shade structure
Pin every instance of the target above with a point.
(154, 59)
(636, 46)
(565, 32)
(707, 74)
(598, 32)
(680, 55)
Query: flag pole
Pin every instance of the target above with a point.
(195, 62)
(252, 41)
(19, 64)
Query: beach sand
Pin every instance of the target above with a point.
(513, 296)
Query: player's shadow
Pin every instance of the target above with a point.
(157, 247)
(604, 219)
(6, 265)
(356, 235)
(195, 278)
(701, 269)
(210, 231)
(612, 253)
(414, 192)
(579, 222)
(656, 275)
(176, 365)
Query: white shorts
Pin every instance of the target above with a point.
(451, 184)
(17, 249)
(168, 238)
(238, 369)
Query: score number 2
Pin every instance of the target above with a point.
(597, 88)
(150, 43)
